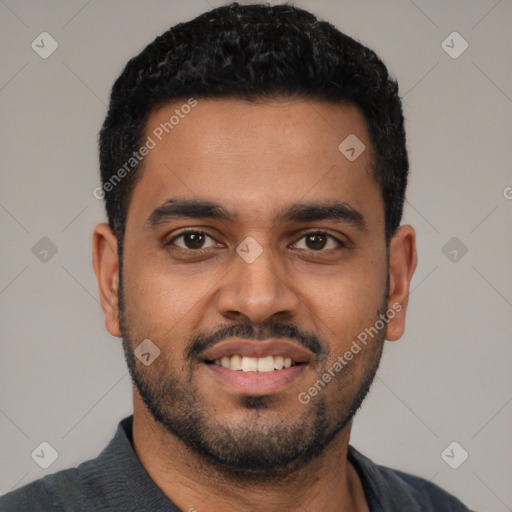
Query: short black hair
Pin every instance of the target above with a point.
(253, 52)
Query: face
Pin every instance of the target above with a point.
(254, 256)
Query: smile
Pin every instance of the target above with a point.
(255, 364)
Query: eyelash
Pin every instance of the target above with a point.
(170, 241)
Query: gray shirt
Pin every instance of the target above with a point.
(116, 481)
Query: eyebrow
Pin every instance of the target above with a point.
(332, 210)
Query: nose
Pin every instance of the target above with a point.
(257, 291)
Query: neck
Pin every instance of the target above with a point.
(328, 482)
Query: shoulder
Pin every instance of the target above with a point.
(423, 493)
(67, 490)
(389, 489)
(55, 493)
(71, 489)
(115, 480)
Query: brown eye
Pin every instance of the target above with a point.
(191, 240)
(318, 241)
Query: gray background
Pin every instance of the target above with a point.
(62, 376)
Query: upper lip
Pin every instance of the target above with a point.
(258, 348)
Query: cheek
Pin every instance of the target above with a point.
(161, 301)
(349, 295)
(152, 300)
(344, 308)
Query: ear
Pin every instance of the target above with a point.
(106, 268)
(402, 264)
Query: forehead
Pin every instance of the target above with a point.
(256, 158)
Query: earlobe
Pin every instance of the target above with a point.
(106, 268)
(403, 259)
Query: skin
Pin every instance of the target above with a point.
(254, 159)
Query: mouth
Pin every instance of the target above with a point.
(255, 368)
(254, 364)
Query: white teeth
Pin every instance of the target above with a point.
(236, 363)
(249, 364)
(254, 364)
(266, 364)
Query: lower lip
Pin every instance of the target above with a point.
(256, 383)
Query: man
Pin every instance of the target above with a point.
(254, 168)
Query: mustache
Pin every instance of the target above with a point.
(204, 339)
